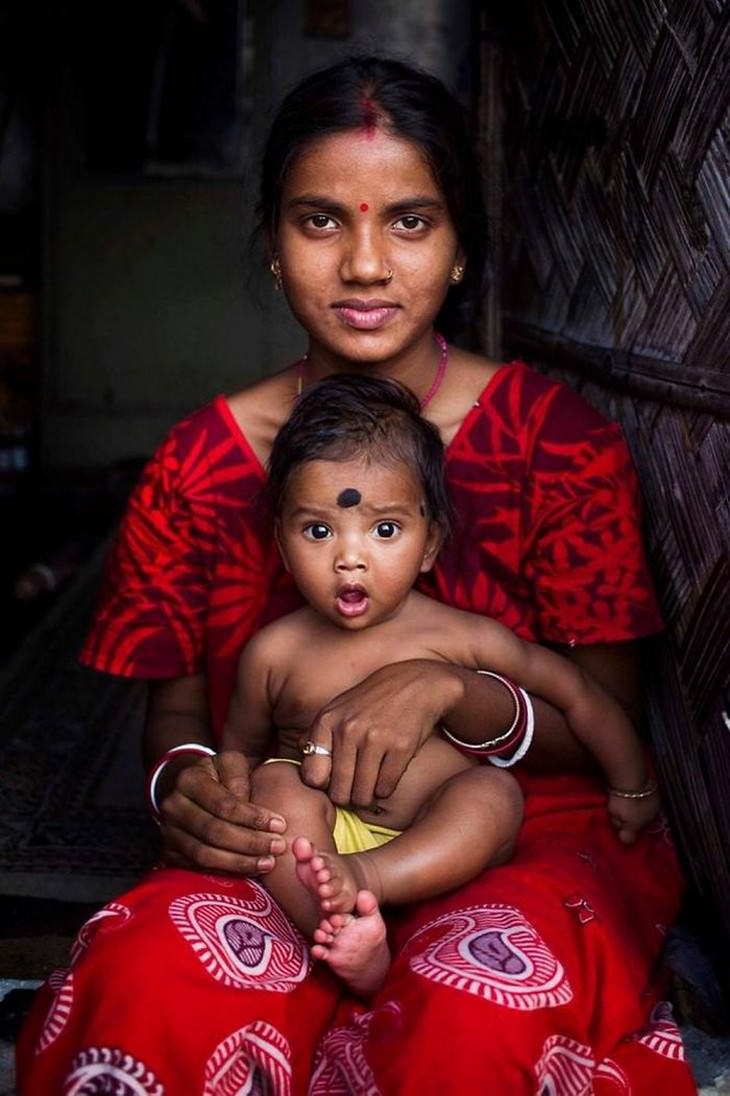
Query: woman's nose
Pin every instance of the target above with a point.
(364, 259)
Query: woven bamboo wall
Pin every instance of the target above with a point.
(612, 271)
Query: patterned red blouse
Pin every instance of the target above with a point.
(546, 538)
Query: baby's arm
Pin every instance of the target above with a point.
(596, 719)
(248, 724)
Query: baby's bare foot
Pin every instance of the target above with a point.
(327, 876)
(355, 945)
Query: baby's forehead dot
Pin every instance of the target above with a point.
(350, 496)
(364, 207)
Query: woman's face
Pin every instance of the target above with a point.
(355, 207)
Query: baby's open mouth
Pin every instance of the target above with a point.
(352, 600)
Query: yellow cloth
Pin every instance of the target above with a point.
(351, 834)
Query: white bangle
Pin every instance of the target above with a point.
(524, 745)
(500, 740)
(156, 771)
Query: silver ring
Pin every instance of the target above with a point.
(310, 748)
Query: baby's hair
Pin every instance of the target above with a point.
(347, 416)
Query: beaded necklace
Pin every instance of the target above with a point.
(424, 402)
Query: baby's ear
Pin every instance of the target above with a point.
(277, 538)
(433, 544)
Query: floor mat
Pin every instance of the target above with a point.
(73, 824)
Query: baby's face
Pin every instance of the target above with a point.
(355, 536)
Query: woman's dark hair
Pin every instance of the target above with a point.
(347, 416)
(407, 103)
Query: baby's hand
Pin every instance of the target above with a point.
(630, 816)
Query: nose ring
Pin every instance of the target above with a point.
(388, 276)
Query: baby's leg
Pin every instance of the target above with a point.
(315, 884)
(351, 940)
(469, 822)
(306, 810)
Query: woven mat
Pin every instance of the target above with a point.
(73, 825)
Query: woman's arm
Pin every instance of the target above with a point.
(617, 668)
(375, 728)
(207, 821)
(598, 718)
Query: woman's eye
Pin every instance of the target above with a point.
(316, 531)
(410, 222)
(320, 220)
(386, 530)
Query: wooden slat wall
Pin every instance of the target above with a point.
(612, 272)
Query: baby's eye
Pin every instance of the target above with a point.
(386, 530)
(316, 530)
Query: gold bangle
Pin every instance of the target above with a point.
(650, 788)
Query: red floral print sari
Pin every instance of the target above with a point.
(541, 975)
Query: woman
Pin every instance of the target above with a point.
(539, 975)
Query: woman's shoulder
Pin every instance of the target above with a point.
(202, 427)
(240, 416)
(541, 401)
(205, 450)
(260, 409)
(523, 402)
(467, 377)
(477, 380)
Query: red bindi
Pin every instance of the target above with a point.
(364, 207)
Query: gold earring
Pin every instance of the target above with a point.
(275, 268)
(457, 273)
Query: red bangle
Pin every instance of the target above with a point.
(523, 743)
(156, 771)
(514, 734)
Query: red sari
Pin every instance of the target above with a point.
(540, 976)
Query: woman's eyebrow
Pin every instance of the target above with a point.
(316, 201)
(330, 205)
(417, 201)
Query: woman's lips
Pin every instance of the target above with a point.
(365, 315)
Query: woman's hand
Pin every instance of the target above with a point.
(375, 728)
(209, 824)
(207, 821)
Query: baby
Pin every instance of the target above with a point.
(357, 483)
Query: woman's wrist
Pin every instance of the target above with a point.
(167, 767)
(512, 741)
